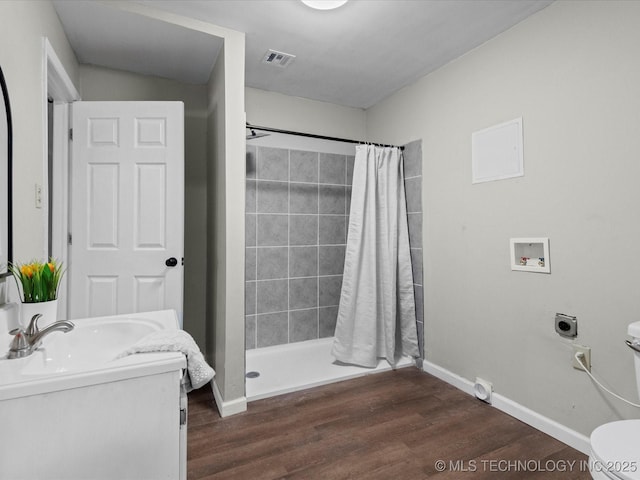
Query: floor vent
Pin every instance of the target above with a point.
(279, 59)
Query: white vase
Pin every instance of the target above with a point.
(48, 310)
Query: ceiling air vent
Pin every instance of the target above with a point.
(280, 59)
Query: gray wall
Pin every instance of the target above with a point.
(225, 224)
(296, 224)
(572, 72)
(22, 27)
(299, 114)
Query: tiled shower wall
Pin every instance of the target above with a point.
(297, 205)
(413, 188)
(296, 233)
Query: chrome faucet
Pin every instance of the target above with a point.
(24, 343)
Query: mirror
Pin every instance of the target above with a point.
(6, 148)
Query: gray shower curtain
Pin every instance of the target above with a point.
(377, 317)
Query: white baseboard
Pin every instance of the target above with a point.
(237, 405)
(552, 428)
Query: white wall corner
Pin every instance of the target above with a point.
(546, 425)
(232, 407)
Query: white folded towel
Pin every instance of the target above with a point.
(198, 370)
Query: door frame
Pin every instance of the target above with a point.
(58, 86)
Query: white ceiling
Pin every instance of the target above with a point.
(105, 36)
(355, 56)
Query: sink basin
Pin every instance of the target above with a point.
(90, 343)
(87, 355)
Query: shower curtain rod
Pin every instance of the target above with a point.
(321, 137)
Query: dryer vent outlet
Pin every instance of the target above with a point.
(566, 325)
(482, 390)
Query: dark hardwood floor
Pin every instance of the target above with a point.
(393, 425)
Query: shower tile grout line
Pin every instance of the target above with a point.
(287, 278)
(284, 214)
(296, 310)
(346, 217)
(302, 246)
(288, 246)
(300, 182)
(255, 333)
(318, 252)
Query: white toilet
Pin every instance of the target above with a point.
(615, 446)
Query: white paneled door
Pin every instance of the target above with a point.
(127, 208)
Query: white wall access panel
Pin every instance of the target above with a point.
(497, 152)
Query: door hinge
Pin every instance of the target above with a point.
(71, 134)
(183, 416)
(69, 239)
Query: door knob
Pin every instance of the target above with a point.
(171, 262)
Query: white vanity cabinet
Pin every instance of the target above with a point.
(124, 429)
(90, 415)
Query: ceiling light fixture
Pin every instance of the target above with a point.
(324, 4)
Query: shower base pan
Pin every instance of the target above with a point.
(296, 366)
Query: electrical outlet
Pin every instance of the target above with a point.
(586, 351)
